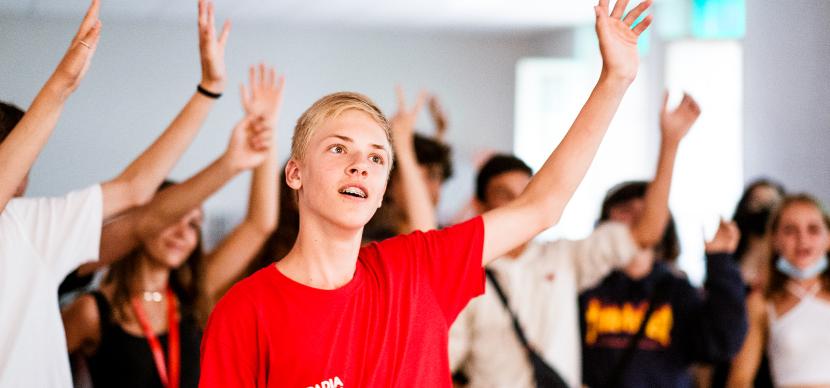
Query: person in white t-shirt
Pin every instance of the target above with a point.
(43, 239)
(542, 280)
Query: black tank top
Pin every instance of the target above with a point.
(125, 360)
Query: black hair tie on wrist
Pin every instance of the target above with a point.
(207, 93)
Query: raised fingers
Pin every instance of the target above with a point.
(636, 12)
(271, 78)
(262, 76)
(603, 6)
(226, 30)
(688, 103)
(401, 98)
(90, 19)
(419, 103)
(203, 16)
(90, 39)
(211, 22)
(643, 25)
(619, 9)
(246, 97)
(665, 100)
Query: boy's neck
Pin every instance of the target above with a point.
(324, 255)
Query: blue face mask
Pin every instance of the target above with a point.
(784, 265)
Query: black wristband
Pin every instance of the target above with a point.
(207, 93)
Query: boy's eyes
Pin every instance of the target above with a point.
(339, 149)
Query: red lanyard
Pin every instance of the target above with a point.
(172, 341)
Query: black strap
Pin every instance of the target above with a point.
(105, 320)
(544, 374)
(516, 326)
(661, 291)
(207, 93)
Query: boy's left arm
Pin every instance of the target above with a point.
(542, 203)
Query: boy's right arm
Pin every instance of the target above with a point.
(20, 149)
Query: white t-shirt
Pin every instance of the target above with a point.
(542, 287)
(41, 241)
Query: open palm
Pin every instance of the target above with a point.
(675, 124)
(263, 96)
(617, 40)
(211, 48)
(403, 122)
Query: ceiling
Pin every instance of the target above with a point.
(496, 14)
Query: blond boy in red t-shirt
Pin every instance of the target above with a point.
(333, 314)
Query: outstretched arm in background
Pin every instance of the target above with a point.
(22, 146)
(416, 202)
(232, 256)
(674, 125)
(137, 184)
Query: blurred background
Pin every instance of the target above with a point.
(511, 75)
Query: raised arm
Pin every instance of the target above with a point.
(22, 146)
(138, 182)
(674, 125)
(439, 118)
(544, 199)
(233, 255)
(416, 202)
(721, 319)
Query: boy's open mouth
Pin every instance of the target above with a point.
(354, 191)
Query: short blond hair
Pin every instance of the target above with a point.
(331, 106)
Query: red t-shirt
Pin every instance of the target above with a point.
(387, 327)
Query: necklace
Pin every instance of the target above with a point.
(803, 292)
(153, 296)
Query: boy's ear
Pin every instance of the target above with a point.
(292, 174)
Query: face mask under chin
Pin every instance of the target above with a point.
(784, 266)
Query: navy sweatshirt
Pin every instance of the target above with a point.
(688, 325)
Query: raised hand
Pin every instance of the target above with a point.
(403, 122)
(725, 240)
(211, 49)
(263, 97)
(415, 201)
(250, 143)
(438, 117)
(76, 61)
(675, 124)
(617, 40)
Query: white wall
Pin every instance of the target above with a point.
(787, 94)
(143, 73)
